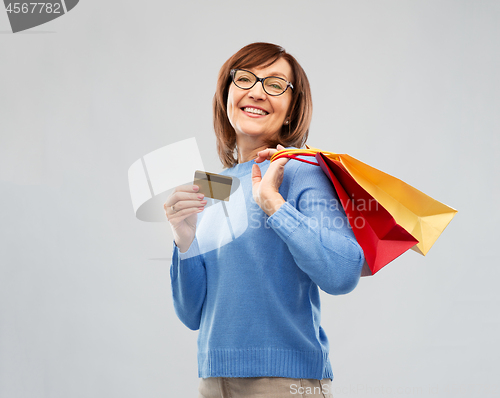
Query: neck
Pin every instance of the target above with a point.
(248, 149)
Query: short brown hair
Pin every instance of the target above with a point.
(262, 55)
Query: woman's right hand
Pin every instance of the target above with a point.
(181, 209)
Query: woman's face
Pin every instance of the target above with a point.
(241, 103)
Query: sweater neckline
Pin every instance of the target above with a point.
(244, 168)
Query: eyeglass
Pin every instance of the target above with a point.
(272, 85)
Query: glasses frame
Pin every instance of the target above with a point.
(261, 79)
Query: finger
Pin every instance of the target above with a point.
(183, 192)
(268, 153)
(179, 216)
(265, 154)
(281, 161)
(180, 196)
(187, 188)
(262, 155)
(275, 170)
(180, 192)
(182, 207)
(278, 163)
(183, 204)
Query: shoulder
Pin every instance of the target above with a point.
(299, 171)
(301, 178)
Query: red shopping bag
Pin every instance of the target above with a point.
(376, 231)
(379, 235)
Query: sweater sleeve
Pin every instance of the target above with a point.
(315, 228)
(189, 284)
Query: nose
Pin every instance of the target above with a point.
(257, 91)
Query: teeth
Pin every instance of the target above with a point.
(254, 110)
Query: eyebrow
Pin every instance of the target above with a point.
(278, 74)
(273, 74)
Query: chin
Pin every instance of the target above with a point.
(254, 132)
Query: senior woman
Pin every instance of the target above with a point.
(255, 299)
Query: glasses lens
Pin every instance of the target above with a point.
(275, 85)
(244, 79)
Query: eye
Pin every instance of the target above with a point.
(276, 84)
(243, 76)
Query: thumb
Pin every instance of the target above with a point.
(256, 175)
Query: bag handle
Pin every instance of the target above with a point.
(294, 153)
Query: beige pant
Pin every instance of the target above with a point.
(264, 387)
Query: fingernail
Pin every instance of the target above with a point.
(195, 188)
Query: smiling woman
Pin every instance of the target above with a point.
(264, 60)
(255, 299)
(256, 116)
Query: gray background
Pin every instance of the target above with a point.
(410, 87)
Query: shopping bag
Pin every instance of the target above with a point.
(422, 216)
(376, 231)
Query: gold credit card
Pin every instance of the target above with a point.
(213, 185)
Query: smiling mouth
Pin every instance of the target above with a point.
(255, 111)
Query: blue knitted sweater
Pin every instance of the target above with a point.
(249, 282)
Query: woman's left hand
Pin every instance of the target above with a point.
(266, 190)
